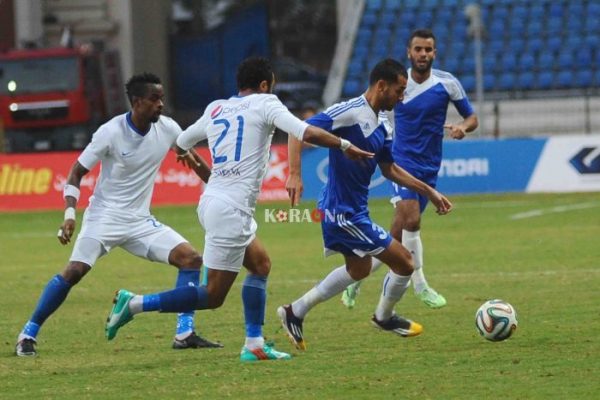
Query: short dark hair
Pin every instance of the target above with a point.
(421, 33)
(387, 70)
(252, 71)
(137, 85)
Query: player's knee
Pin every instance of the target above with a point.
(396, 232)
(358, 275)
(74, 272)
(412, 224)
(190, 260)
(263, 266)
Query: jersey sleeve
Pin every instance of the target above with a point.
(96, 150)
(278, 115)
(174, 129)
(195, 133)
(343, 114)
(322, 121)
(385, 154)
(459, 98)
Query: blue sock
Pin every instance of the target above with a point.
(52, 297)
(254, 296)
(177, 300)
(185, 321)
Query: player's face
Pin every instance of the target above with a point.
(150, 106)
(393, 93)
(421, 53)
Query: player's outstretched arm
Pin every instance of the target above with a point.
(71, 196)
(322, 138)
(402, 177)
(294, 185)
(193, 161)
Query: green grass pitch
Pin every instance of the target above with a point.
(541, 253)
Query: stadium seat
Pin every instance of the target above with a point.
(535, 44)
(556, 9)
(374, 4)
(369, 19)
(351, 88)
(489, 82)
(506, 81)
(509, 62)
(393, 5)
(546, 61)
(527, 62)
(565, 59)
(554, 26)
(451, 64)
(596, 81)
(496, 29)
(534, 28)
(565, 79)
(468, 83)
(545, 80)
(554, 43)
(584, 78)
(387, 20)
(525, 81)
(519, 12)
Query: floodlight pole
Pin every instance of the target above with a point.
(473, 12)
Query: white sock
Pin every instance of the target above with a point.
(412, 242)
(255, 342)
(333, 284)
(136, 304)
(183, 335)
(394, 287)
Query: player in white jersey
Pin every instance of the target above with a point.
(239, 132)
(419, 123)
(131, 148)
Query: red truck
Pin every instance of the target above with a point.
(55, 98)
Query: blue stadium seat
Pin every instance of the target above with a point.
(360, 52)
(575, 8)
(537, 12)
(527, 62)
(574, 24)
(592, 42)
(374, 4)
(546, 61)
(506, 81)
(468, 65)
(590, 26)
(489, 82)
(535, 44)
(509, 62)
(534, 28)
(393, 5)
(565, 59)
(351, 88)
(495, 46)
(489, 62)
(519, 12)
(355, 69)
(500, 13)
(545, 80)
(526, 81)
(597, 77)
(451, 64)
(368, 19)
(554, 43)
(584, 59)
(468, 83)
(516, 44)
(565, 79)
(387, 20)
(556, 9)
(554, 26)
(584, 78)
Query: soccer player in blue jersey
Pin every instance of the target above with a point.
(346, 225)
(419, 122)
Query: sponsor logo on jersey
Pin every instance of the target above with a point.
(216, 111)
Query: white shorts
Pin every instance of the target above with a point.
(228, 232)
(145, 237)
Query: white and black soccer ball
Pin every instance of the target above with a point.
(496, 320)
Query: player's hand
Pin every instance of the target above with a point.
(457, 131)
(354, 153)
(442, 204)
(188, 159)
(294, 187)
(66, 231)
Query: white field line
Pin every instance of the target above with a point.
(558, 209)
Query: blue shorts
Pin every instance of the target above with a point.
(403, 193)
(357, 235)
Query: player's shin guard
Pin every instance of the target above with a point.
(52, 297)
(254, 297)
(185, 321)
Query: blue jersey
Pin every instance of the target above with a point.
(419, 122)
(347, 188)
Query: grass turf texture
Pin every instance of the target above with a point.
(546, 266)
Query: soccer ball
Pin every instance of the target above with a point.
(496, 320)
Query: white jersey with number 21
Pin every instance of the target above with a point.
(239, 132)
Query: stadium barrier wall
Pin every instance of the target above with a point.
(557, 164)
(35, 181)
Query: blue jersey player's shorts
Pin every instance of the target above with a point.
(402, 193)
(357, 235)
